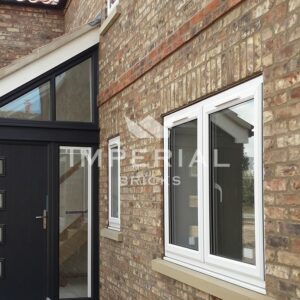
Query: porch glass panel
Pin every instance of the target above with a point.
(74, 93)
(75, 223)
(34, 105)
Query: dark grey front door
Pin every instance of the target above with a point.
(23, 250)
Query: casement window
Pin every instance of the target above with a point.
(213, 199)
(111, 4)
(114, 183)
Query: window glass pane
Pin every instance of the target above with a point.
(114, 179)
(75, 224)
(183, 183)
(232, 182)
(34, 105)
(73, 94)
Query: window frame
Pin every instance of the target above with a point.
(111, 7)
(240, 273)
(113, 223)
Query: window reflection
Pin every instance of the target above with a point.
(183, 181)
(34, 105)
(232, 182)
(74, 94)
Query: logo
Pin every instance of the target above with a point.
(146, 129)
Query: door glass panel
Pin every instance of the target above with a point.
(2, 264)
(183, 183)
(2, 200)
(2, 167)
(75, 223)
(73, 94)
(2, 234)
(34, 105)
(232, 182)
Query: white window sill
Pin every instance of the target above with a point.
(110, 20)
(111, 234)
(205, 283)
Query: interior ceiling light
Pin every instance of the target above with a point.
(51, 2)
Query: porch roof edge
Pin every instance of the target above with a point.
(47, 57)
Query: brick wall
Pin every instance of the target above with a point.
(142, 27)
(23, 29)
(80, 12)
(141, 76)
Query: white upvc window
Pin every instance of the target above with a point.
(213, 186)
(111, 4)
(114, 183)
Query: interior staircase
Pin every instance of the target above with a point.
(72, 239)
(74, 236)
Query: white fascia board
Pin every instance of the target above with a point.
(47, 58)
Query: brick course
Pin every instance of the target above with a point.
(23, 29)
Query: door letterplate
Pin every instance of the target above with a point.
(44, 218)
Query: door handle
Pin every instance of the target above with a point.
(44, 218)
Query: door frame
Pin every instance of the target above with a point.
(52, 284)
(53, 263)
(54, 134)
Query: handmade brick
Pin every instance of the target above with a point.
(292, 229)
(278, 242)
(278, 213)
(278, 271)
(294, 215)
(290, 259)
(286, 170)
(295, 275)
